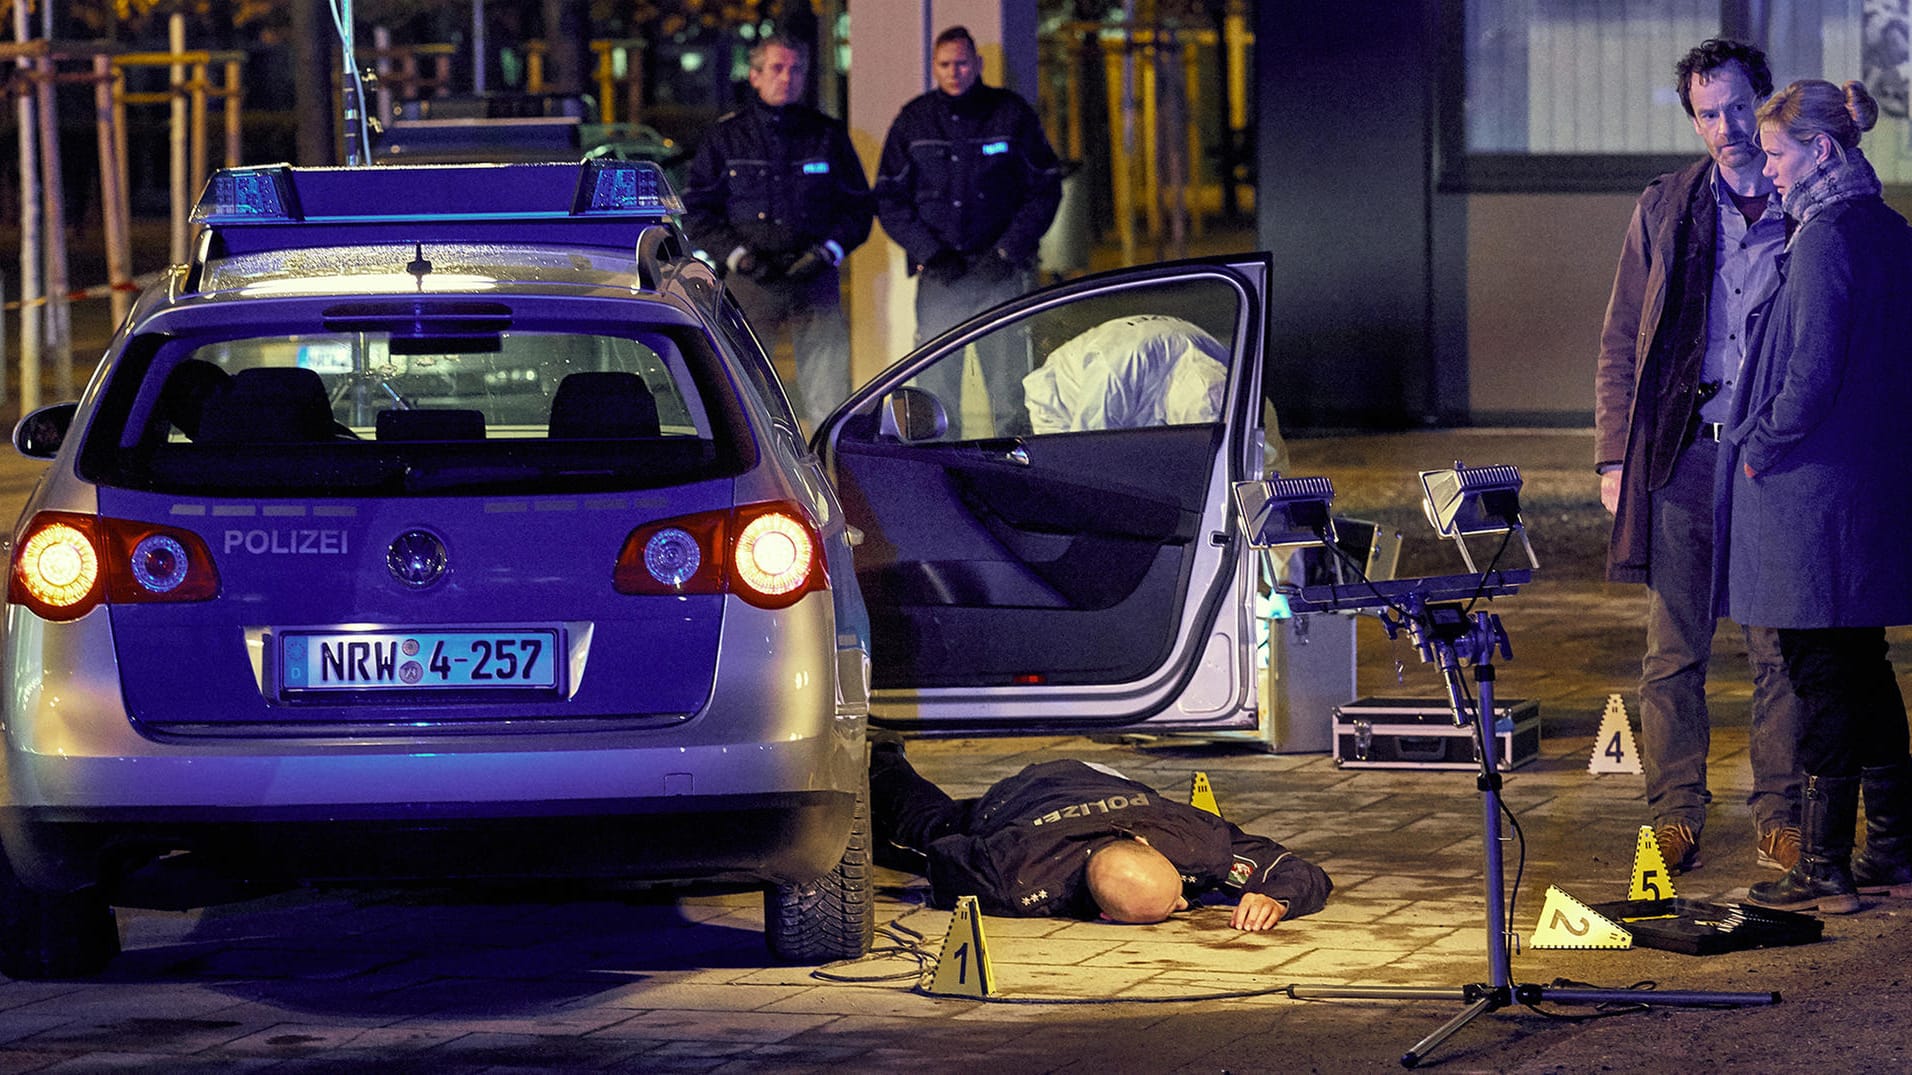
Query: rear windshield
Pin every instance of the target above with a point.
(376, 413)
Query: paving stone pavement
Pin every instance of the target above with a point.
(538, 978)
(571, 979)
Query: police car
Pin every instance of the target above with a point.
(448, 522)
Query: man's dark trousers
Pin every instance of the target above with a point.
(1674, 722)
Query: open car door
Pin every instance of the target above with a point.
(1049, 542)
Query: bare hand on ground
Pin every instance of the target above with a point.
(1257, 912)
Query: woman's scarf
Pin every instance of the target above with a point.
(1837, 180)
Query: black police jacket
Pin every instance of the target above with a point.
(1026, 850)
(776, 180)
(970, 174)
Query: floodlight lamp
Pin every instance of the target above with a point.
(1286, 513)
(1474, 500)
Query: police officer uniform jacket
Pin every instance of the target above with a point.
(1026, 847)
(972, 174)
(779, 181)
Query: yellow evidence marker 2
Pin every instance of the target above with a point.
(1201, 796)
(1565, 922)
(963, 968)
(1651, 880)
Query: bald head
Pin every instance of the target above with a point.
(1133, 883)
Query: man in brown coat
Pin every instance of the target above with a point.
(1698, 259)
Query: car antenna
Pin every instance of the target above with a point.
(418, 266)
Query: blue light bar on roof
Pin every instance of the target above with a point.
(279, 194)
(248, 196)
(624, 187)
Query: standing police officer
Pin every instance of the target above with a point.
(966, 186)
(777, 195)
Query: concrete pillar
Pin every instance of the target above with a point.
(890, 46)
(1369, 292)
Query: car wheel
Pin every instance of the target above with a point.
(834, 916)
(53, 934)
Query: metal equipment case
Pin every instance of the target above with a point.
(1305, 663)
(1310, 672)
(1419, 733)
(1305, 671)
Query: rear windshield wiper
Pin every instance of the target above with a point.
(485, 477)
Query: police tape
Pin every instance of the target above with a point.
(99, 291)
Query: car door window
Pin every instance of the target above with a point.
(1055, 541)
(755, 364)
(1152, 355)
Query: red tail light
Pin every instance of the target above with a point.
(677, 556)
(66, 563)
(56, 567)
(767, 554)
(776, 556)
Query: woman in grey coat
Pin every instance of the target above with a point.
(1815, 489)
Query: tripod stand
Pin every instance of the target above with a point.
(1445, 634)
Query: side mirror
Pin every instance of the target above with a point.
(912, 415)
(40, 434)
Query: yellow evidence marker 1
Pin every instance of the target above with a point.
(1565, 922)
(1651, 880)
(1201, 796)
(963, 968)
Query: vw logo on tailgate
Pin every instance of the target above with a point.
(416, 558)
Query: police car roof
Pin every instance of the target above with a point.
(597, 203)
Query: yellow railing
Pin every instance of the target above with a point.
(1158, 169)
(620, 64)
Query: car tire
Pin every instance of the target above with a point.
(53, 934)
(834, 916)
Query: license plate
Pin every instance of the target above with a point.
(417, 660)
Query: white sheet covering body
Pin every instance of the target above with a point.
(1142, 370)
